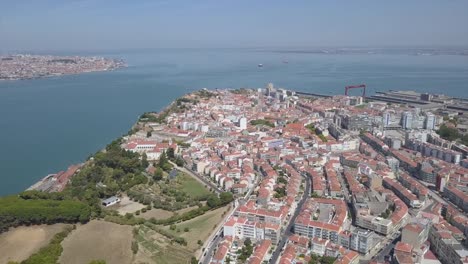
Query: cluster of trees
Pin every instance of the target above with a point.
(450, 133)
(212, 202)
(223, 199)
(311, 128)
(315, 259)
(246, 251)
(205, 93)
(241, 91)
(262, 122)
(282, 180)
(51, 252)
(108, 173)
(315, 131)
(152, 117)
(280, 192)
(164, 163)
(177, 160)
(186, 100)
(32, 207)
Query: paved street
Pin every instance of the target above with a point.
(216, 237)
(287, 232)
(387, 249)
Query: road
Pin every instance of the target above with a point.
(216, 237)
(387, 249)
(287, 232)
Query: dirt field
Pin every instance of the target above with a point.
(29, 239)
(157, 214)
(127, 206)
(98, 240)
(155, 248)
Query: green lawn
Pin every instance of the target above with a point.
(191, 186)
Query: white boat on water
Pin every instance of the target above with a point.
(260, 65)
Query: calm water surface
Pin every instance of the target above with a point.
(48, 124)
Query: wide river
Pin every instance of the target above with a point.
(48, 124)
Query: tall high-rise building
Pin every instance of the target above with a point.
(243, 123)
(430, 121)
(407, 120)
(386, 119)
(269, 89)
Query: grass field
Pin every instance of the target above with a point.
(98, 240)
(19, 243)
(156, 248)
(200, 227)
(191, 186)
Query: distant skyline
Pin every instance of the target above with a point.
(87, 25)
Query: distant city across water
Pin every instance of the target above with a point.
(48, 124)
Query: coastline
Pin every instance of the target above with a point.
(25, 66)
(61, 75)
(56, 180)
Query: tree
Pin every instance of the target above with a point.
(186, 229)
(213, 201)
(193, 260)
(144, 161)
(248, 242)
(179, 162)
(134, 247)
(158, 174)
(173, 227)
(148, 134)
(226, 197)
(162, 159)
(170, 153)
(199, 242)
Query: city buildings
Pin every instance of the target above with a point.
(328, 176)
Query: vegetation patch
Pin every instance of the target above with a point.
(33, 207)
(450, 133)
(262, 122)
(51, 252)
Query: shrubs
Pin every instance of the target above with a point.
(15, 211)
(168, 234)
(122, 220)
(51, 252)
(134, 247)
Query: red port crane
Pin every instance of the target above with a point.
(363, 86)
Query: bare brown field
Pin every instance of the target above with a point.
(128, 206)
(155, 248)
(157, 214)
(98, 240)
(27, 238)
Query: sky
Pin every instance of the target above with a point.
(135, 24)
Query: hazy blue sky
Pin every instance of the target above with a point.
(115, 24)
